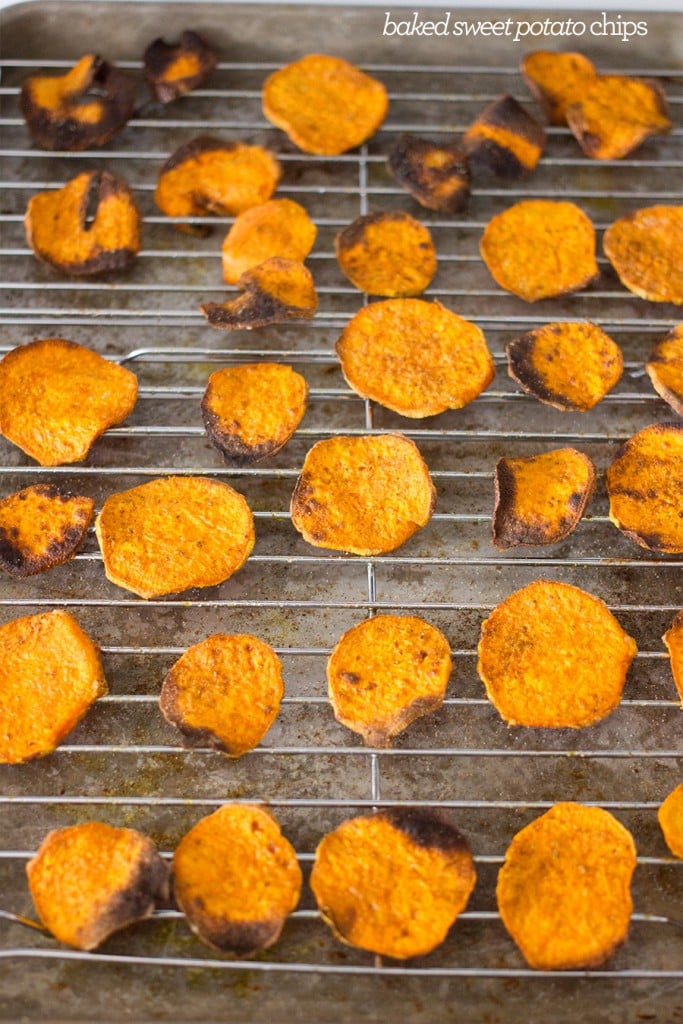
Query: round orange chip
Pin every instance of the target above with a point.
(279, 227)
(40, 527)
(665, 368)
(539, 248)
(417, 358)
(324, 104)
(612, 115)
(673, 640)
(387, 254)
(646, 250)
(670, 816)
(556, 80)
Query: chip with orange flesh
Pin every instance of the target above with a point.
(236, 878)
(279, 227)
(324, 104)
(670, 816)
(541, 499)
(366, 495)
(437, 176)
(415, 357)
(251, 411)
(386, 672)
(673, 640)
(57, 397)
(208, 176)
(553, 656)
(174, 69)
(646, 250)
(50, 674)
(393, 882)
(540, 248)
(556, 80)
(504, 139)
(90, 880)
(85, 107)
(275, 291)
(174, 533)
(613, 114)
(388, 253)
(645, 488)
(665, 368)
(59, 230)
(40, 527)
(564, 890)
(224, 693)
(570, 366)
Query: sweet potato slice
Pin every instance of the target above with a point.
(570, 366)
(553, 656)
(646, 250)
(388, 253)
(40, 527)
(540, 248)
(275, 291)
(613, 114)
(386, 672)
(665, 368)
(564, 891)
(504, 139)
(60, 234)
(393, 882)
(85, 107)
(212, 176)
(174, 533)
(236, 878)
(90, 880)
(324, 104)
(557, 80)
(174, 69)
(224, 693)
(645, 488)
(50, 674)
(251, 411)
(417, 358)
(673, 640)
(542, 498)
(670, 816)
(279, 227)
(366, 495)
(57, 397)
(437, 176)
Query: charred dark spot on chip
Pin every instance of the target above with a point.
(174, 69)
(350, 677)
(202, 144)
(504, 140)
(521, 368)
(275, 291)
(148, 887)
(234, 450)
(241, 938)
(437, 176)
(429, 829)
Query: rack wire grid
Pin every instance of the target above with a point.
(124, 765)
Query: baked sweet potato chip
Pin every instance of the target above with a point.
(174, 533)
(174, 69)
(212, 176)
(366, 495)
(279, 227)
(275, 291)
(388, 253)
(393, 882)
(665, 368)
(417, 358)
(645, 484)
(60, 233)
(437, 176)
(251, 411)
(553, 656)
(612, 115)
(556, 80)
(50, 674)
(570, 366)
(542, 498)
(40, 527)
(673, 640)
(324, 104)
(386, 672)
(646, 250)
(236, 878)
(540, 248)
(564, 890)
(90, 880)
(670, 816)
(224, 693)
(504, 139)
(57, 397)
(85, 107)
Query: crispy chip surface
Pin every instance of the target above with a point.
(279, 227)
(504, 139)
(40, 527)
(275, 291)
(646, 250)
(665, 368)
(388, 253)
(612, 115)
(437, 176)
(670, 816)
(556, 80)
(673, 640)
(174, 69)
